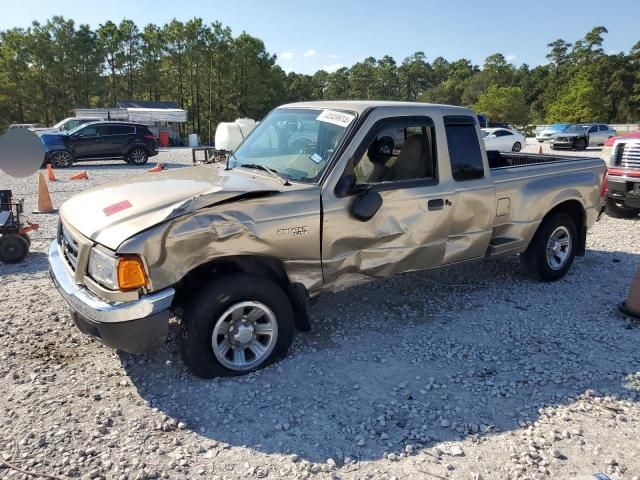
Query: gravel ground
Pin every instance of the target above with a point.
(467, 373)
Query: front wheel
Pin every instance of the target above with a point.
(61, 159)
(580, 144)
(236, 324)
(618, 210)
(516, 147)
(138, 156)
(552, 249)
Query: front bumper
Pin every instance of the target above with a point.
(134, 327)
(625, 188)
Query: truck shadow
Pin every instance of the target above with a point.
(418, 359)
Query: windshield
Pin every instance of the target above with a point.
(59, 124)
(558, 127)
(576, 129)
(295, 143)
(72, 124)
(486, 133)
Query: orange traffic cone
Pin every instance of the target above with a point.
(158, 168)
(44, 199)
(540, 152)
(52, 177)
(80, 176)
(631, 306)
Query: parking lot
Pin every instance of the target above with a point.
(465, 373)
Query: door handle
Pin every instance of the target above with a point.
(435, 204)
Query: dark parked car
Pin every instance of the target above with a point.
(132, 142)
(581, 136)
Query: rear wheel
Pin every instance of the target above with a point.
(580, 144)
(61, 159)
(618, 210)
(138, 156)
(13, 248)
(552, 249)
(236, 324)
(516, 147)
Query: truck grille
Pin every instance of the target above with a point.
(627, 155)
(70, 247)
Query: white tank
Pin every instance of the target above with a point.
(231, 134)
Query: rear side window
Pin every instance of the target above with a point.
(603, 128)
(464, 149)
(120, 130)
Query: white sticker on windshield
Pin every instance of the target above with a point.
(341, 119)
(315, 158)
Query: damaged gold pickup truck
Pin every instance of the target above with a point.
(320, 196)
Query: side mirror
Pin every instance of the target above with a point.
(365, 206)
(345, 186)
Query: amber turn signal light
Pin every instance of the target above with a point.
(131, 273)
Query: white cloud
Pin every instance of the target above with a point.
(510, 57)
(310, 53)
(333, 56)
(332, 68)
(288, 55)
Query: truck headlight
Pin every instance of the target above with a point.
(103, 268)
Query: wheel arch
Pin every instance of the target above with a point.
(49, 155)
(575, 210)
(263, 266)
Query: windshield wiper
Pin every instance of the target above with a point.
(270, 171)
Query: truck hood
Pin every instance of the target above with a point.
(111, 213)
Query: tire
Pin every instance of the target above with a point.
(620, 211)
(516, 147)
(138, 156)
(27, 238)
(539, 264)
(61, 159)
(580, 144)
(212, 316)
(13, 248)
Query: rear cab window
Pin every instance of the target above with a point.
(464, 148)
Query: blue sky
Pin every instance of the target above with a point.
(309, 35)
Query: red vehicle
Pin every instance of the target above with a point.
(622, 155)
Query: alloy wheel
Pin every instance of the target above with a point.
(558, 248)
(244, 335)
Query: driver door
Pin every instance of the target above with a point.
(397, 159)
(85, 142)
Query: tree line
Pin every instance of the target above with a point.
(50, 68)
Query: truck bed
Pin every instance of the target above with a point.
(499, 160)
